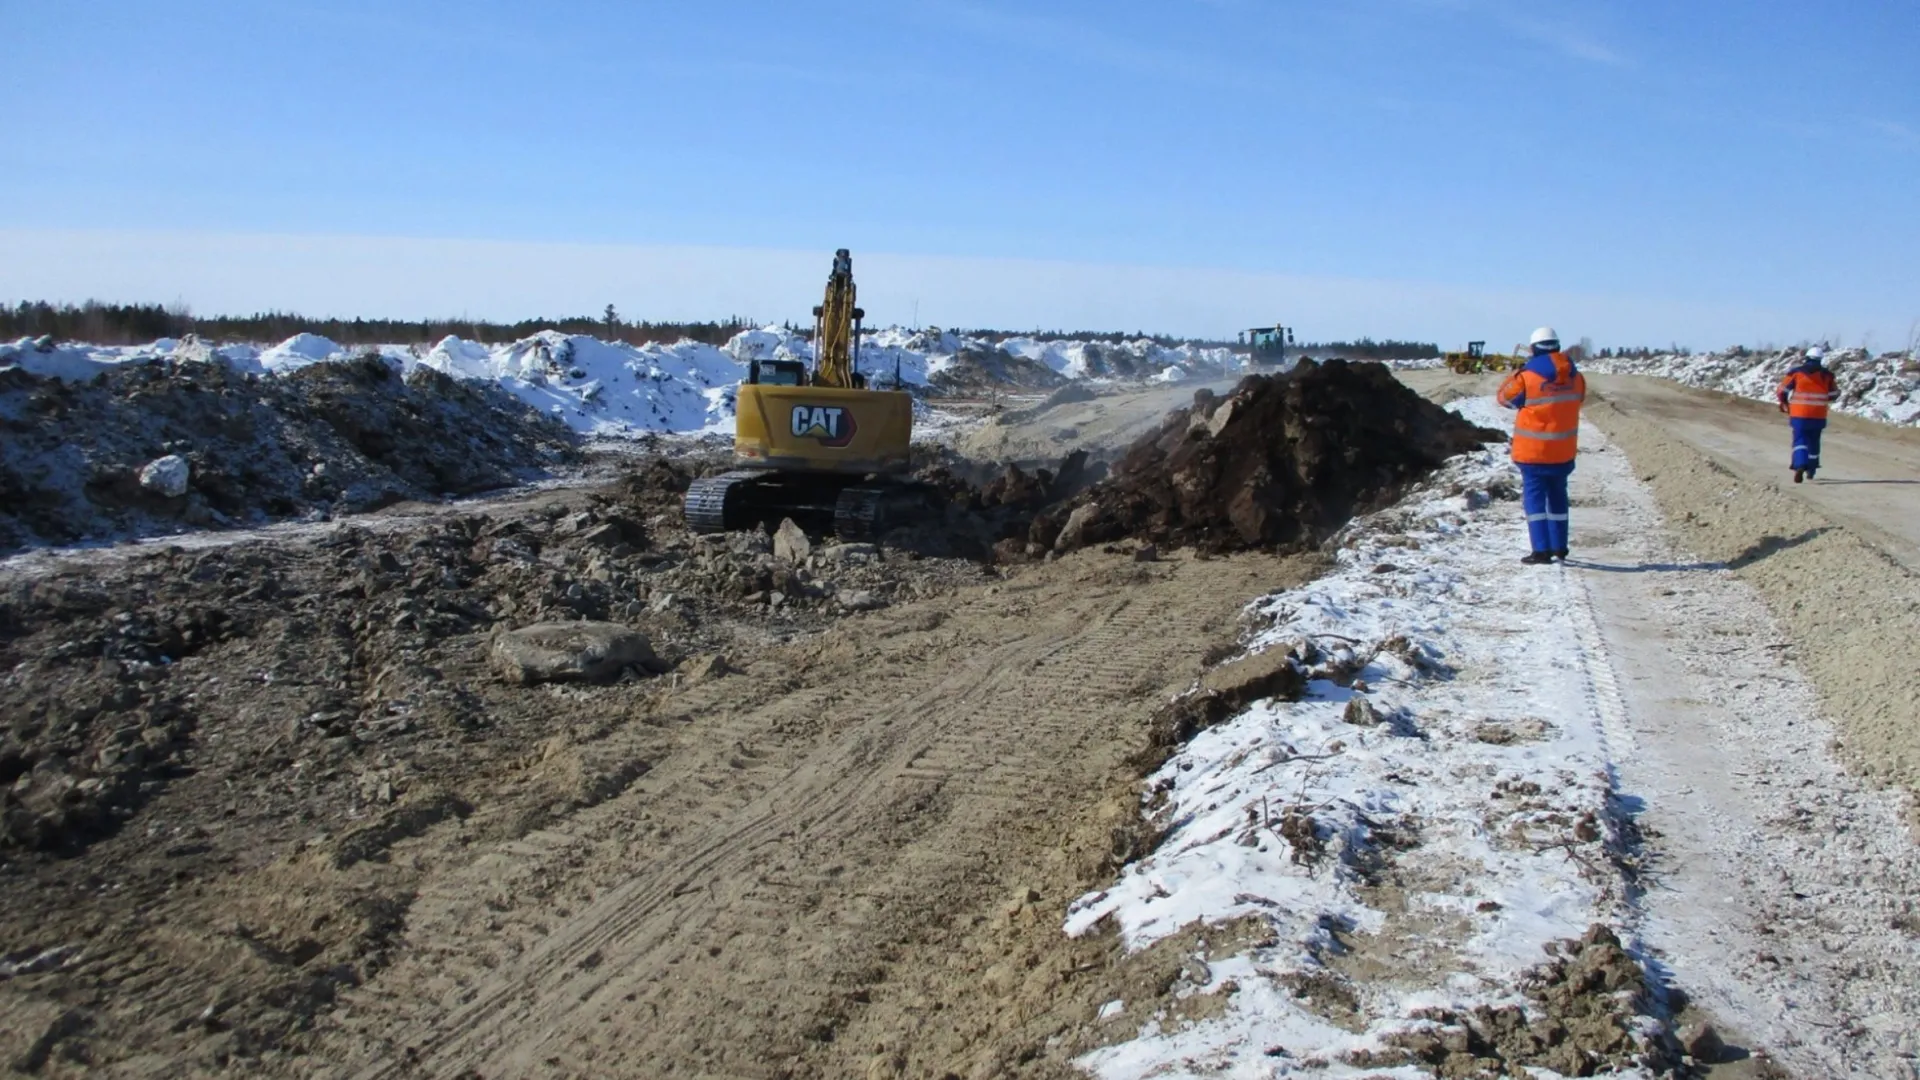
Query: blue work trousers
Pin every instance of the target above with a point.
(1543, 495)
(1806, 442)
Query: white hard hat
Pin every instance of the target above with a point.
(1546, 335)
(1816, 352)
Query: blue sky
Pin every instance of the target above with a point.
(1704, 171)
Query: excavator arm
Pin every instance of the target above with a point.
(836, 335)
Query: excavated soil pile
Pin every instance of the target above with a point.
(1281, 461)
(152, 448)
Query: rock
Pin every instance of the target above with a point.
(790, 542)
(714, 666)
(166, 476)
(606, 534)
(1702, 1042)
(1146, 553)
(1361, 712)
(570, 652)
(840, 554)
(860, 600)
(1074, 533)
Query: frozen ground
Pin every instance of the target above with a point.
(1619, 741)
(614, 390)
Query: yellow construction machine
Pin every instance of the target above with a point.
(1477, 359)
(816, 443)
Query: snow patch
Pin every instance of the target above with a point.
(1484, 782)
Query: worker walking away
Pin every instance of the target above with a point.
(1804, 396)
(1548, 392)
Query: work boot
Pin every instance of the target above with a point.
(1561, 554)
(1796, 475)
(1811, 471)
(1537, 558)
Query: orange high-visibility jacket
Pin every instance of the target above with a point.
(1806, 392)
(1548, 393)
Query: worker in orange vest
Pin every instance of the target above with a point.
(1804, 396)
(1548, 392)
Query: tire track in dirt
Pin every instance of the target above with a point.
(738, 904)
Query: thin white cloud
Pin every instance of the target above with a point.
(1903, 135)
(1564, 33)
(1565, 36)
(392, 277)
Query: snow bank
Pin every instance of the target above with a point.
(75, 362)
(299, 351)
(1483, 785)
(611, 389)
(1884, 387)
(1135, 359)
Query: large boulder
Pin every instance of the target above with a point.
(167, 476)
(790, 543)
(570, 652)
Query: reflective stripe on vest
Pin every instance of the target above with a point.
(1555, 399)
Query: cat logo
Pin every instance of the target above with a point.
(832, 425)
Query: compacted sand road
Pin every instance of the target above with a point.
(1870, 475)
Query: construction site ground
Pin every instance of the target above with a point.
(839, 839)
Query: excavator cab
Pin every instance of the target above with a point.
(814, 442)
(777, 373)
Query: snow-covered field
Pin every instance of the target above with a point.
(1489, 756)
(613, 390)
(1884, 387)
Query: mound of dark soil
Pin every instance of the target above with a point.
(976, 371)
(331, 437)
(1282, 461)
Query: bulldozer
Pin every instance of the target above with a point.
(815, 443)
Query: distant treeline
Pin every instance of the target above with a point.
(137, 324)
(1368, 349)
(1109, 337)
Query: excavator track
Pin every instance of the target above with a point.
(710, 498)
(860, 513)
(747, 498)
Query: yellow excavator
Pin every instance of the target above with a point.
(816, 443)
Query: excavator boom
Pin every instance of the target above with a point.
(836, 336)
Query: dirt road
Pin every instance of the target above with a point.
(876, 797)
(1870, 474)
